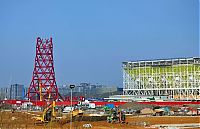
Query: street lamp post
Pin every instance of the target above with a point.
(71, 87)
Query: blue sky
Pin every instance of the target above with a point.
(92, 37)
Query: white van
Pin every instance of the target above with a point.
(68, 109)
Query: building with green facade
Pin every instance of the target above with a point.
(177, 79)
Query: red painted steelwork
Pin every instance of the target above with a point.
(164, 103)
(170, 103)
(43, 85)
(99, 103)
(75, 98)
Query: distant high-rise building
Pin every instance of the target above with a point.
(17, 91)
(88, 90)
(4, 93)
(25, 92)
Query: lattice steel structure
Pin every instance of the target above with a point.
(43, 85)
(176, 78)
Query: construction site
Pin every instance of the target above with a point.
(157, 94)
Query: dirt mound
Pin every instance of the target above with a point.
(135, 106)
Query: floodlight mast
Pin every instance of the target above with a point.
(71, 87)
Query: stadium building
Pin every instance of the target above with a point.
(175, 79)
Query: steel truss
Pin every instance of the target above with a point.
(43, 85)
(177, 79)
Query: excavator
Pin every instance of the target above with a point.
(48, 114)
(116, 116)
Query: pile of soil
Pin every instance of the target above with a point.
(135, 106)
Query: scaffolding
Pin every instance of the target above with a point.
(177, 79)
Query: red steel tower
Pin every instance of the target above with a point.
(43, 85)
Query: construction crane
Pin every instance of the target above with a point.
(40, 89)
(40, 86)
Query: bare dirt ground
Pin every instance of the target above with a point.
(24, 120)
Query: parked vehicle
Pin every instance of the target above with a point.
(68, 109)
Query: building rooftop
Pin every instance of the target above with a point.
(162, 62)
